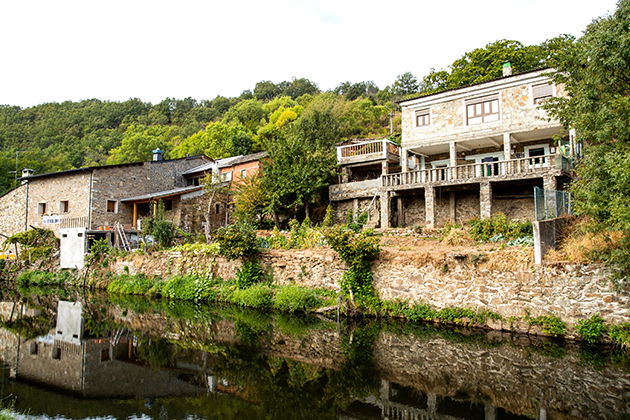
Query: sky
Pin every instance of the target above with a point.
(53, 51)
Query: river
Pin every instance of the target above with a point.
(78, 356)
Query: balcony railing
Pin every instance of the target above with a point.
(376, 148)
(512, 167)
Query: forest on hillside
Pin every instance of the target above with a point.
(58, 136)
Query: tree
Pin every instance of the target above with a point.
(215, 141)
(139, 142)
(301, 163)
(596, 74)
(405, 84)
(266, 90)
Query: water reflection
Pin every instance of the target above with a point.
(95, 356)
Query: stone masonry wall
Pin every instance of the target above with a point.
(71, 187)
(570, 291)
(12, 211)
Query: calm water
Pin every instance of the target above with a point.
(89, 356)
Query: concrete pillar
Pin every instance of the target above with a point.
(491, 411)
(453, 159)
(573, 142)
(507, 146)
(385, 167)
(345, 175)
(431, 402)
(485, 199)
(550, 183)
(401, 212)
(452, 207)
(543, 414)
(384, 390)
(429, 206)
(355, 209)
(385, 206)
(404, 155)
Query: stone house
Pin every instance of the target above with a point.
(98, 197)
(466, 152)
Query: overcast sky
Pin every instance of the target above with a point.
(54, 51)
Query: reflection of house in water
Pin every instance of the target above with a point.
(406, 403)
(73, 361)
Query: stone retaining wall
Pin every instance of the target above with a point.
(570, 291)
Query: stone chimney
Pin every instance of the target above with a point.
(507, 69)
(26, 172)
(158, 155)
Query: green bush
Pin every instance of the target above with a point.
(294, 298)
(257, 296)
(137, 284)
(620, 334)
(498, 226)
(550, 324)
(41, 278)
(592, 329)
(248, 274)
(238, 240)
(159, 227)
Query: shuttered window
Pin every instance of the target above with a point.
(542, 92)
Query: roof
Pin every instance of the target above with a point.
(202, 168)
(162, 194)
(236, 160)
(91, 168)
(473, 84)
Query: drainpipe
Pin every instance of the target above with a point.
(89, 223)
(26, 212)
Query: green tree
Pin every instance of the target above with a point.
(301, 163)
(596, 74)
(215, 141)
(405, 84)
(139, 142)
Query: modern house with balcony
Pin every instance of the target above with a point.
(466, 152)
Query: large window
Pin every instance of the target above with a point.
(482, 110)
(542, 92)
(423, 118)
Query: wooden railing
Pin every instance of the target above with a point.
(473, 171)
(375, 147)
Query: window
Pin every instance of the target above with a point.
(64, 207)
(482, 110)
(41, 208)
(423, 118)
(56, 353)
(112, 206)
(34, 348)
(226, 176)
(217, 208)
(542, 92)
(168, 205)
(105, 355)
(243, 173)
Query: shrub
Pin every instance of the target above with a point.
(592, 329)
(159, 227)
(238, 240)
(620, 334)
(137, 284)
(550, 324)
(294, 298)
(257, 296)
(484, 230)
(248, 274)
(39, 278)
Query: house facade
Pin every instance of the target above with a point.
(467, 152)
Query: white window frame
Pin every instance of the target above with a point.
(481, 156)
(543, 98)
(545, 147)
(481, 101)
(423, 113)
(226, 176)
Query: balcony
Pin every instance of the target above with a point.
(502, 170)
(369, 151)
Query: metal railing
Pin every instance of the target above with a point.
(474, 171)
(374, 147)
(550, 204)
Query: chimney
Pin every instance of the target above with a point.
(507, 69)
(158, 155)
(26, 172)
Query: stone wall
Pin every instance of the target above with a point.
(72, 187)
(570, 291)
(415, 212)
(193, 207)
(12, 212)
